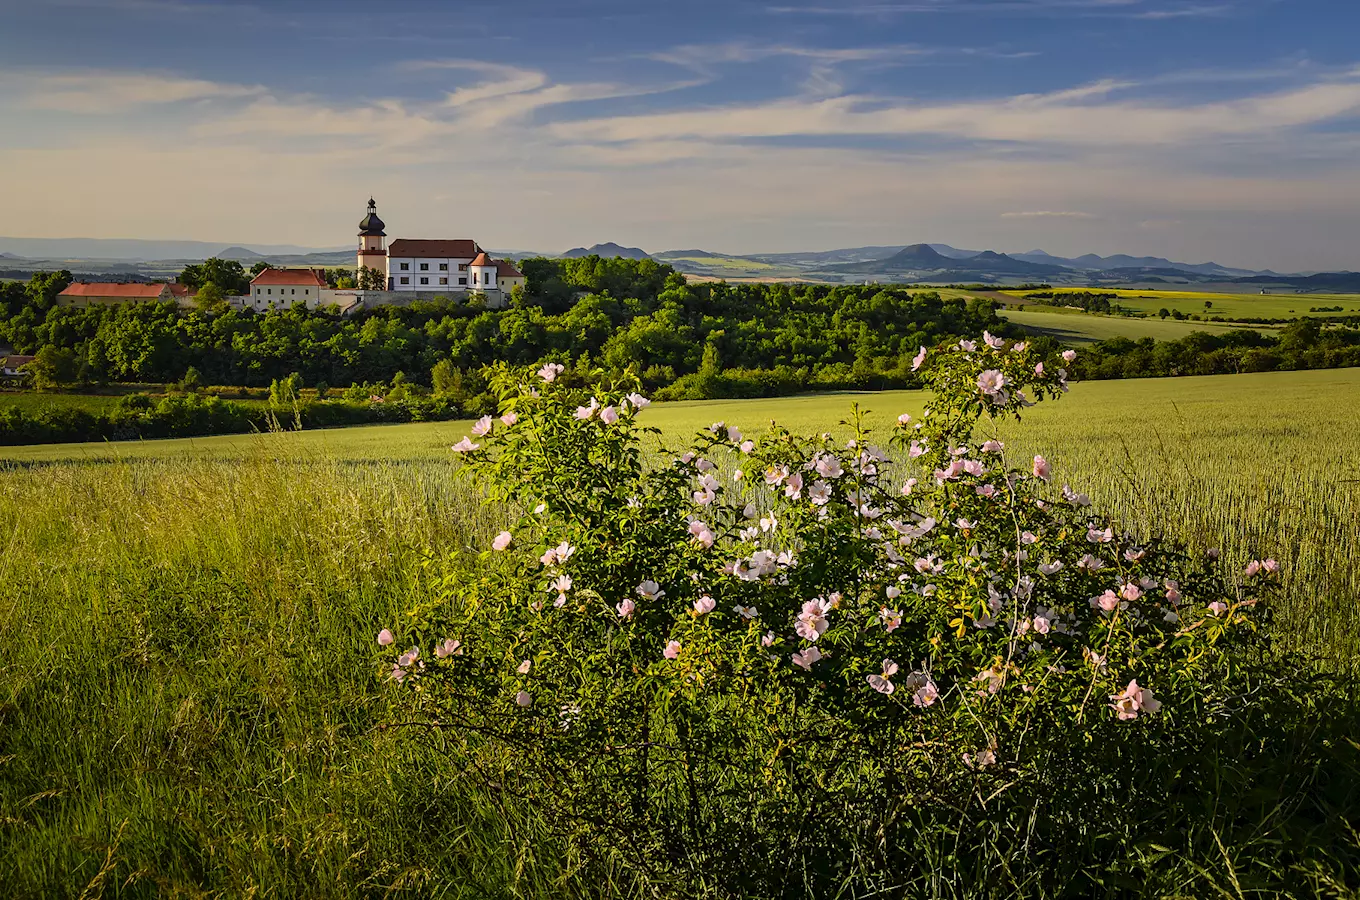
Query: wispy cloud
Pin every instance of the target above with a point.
(1087, 115)
(106, 92)
(1134, 9)
(1047, 214)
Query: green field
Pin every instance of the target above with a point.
(1073, 326)
(1258, 463)
(33, 401)
(189, 703)
(1246, 305)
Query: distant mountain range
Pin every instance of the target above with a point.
(924, 263)
(134, 250)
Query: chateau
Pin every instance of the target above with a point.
(431, 266)
(406, 271)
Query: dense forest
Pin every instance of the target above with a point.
(610, 313)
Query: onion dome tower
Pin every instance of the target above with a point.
(372, 241)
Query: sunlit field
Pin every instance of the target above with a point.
(1278, 304)
(1256, 464)
(188, 697)
(1072, 326)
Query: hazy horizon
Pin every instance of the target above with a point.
(1196, 130)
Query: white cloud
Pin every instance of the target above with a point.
(114, 92)
(1081, 116)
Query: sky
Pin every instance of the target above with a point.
(1223, 130)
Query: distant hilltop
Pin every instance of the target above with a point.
(608, 249)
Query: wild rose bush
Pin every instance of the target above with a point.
(791, 663)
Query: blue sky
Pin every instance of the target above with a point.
(1195, 129)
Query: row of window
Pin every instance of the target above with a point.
(445, 280)
(425, 267)
(306, 292)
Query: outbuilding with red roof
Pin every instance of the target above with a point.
(281, 288)
(88, 293)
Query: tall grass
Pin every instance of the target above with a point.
(189, 699)
(188, 692)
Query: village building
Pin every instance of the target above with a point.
(281, 288)
(433, 267)
(12, 366)
(89, 293)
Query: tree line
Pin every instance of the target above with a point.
(613, 314)
(685, 340)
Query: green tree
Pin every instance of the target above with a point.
(285, 391)
(260, 267)
(43, 288)
(371, 280)
(322, 389)
(1163, 312)
(227, 274)
(211, 298)
(444, 376)
(192, 381)
(53, 367)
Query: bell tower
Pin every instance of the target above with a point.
(372, 242)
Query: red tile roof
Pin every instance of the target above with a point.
(481, 260)
(110, 289)
(406, 248)
(182, 290)
(291, 277)
(504, 269)
(14, 362)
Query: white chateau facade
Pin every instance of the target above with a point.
(432, 266)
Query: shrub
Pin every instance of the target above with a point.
(787, 666)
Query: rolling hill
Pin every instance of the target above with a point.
(607, 249)
(924, 261)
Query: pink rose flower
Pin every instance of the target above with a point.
(1042, 470)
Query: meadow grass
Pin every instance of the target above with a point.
(1247, 304)
(1255, 464)
(33, 401)
(104, 401)
(189, 699)
(1072, 326)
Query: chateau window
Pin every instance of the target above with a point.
(443, 281)
(443, 267)
(271, 292)
(405, 267)
(424, 281)
(405, 280)
(462, 281)
(424, 267)
(292, 291)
